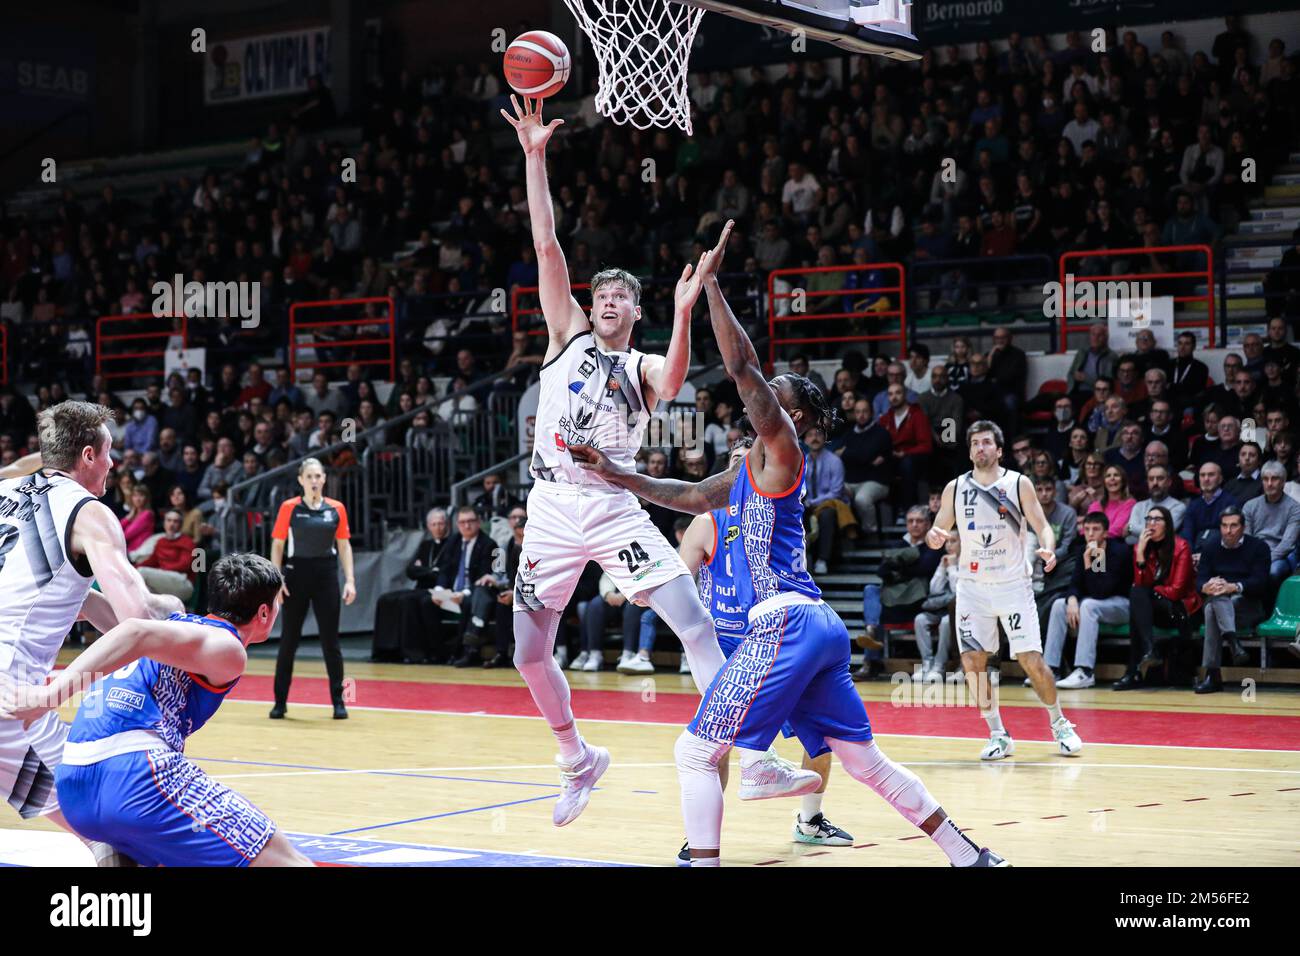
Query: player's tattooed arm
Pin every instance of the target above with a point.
(937, 536)
(691, 497)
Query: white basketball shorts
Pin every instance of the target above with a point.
(569, 526)
(979, 608)
(28, 759)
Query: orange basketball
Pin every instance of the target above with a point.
(537, 64)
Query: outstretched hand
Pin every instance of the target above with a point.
(712, 260)
(527, 121)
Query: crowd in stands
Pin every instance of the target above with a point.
(1052, 150)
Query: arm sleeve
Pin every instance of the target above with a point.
(281, 530)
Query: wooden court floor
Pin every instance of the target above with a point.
(457, 760)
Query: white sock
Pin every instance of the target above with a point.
(958, 847)
(810, 806)
(571, 746)
(706, 861)
(994, 719)
(1054, 711)
(749, 757)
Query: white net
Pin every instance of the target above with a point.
(642, 47)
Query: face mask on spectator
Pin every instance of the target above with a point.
(139, 414)
(1064, 415)
(139, 473)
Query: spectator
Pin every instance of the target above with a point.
(1089, 364)
(906, 573)
(191, 472)
(138, 522)
(910, 435)
(1147, 356)
(980, 393)
(1091, 486)
(1203, 513)
(321, 398)
(1274, 518)
(1189, 376)
(1229, 453)
(1113, 419)
(937, 612)
(226, 467)
(141, 432)
(1057, 441)
(896, 373)
(1093, 410)
(1246, 485)
(1164, 594)
(465, 578)
(919, 371)
(1233, 575)
(826, 507)
(1159, 482)
(1116, 502)
(1098, 594)
(166, 561)
(1009, 369)
(1070, 465)
(284, 390)
(947, 414)
(1128, 455)
(868, 464)
(1128, 384)
(495, 501)
(1161, 431)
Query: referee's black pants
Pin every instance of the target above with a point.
(313, 581)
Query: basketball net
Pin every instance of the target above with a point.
(641, 47)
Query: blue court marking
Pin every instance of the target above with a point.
(378, 773)
(352, 852)
(439, 816)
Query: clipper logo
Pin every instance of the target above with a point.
(120, 698)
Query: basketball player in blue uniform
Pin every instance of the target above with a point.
(793, 658)
(713, 550)
(124, 778)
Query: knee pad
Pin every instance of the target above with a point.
(534, 637)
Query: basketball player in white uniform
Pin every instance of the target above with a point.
(55, 540)
(595, 390)
(990, 506)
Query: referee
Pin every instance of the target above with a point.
(309, 541)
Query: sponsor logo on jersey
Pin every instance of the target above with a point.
(732, 534)
(120, 698)
(576, 387)
(987, 539)
(733, 510)
(559, 442)
(528, 569)
(729, 625)
(587, 399)
(971, 526)
(970, 512)
(974, 566)
(726, 592)
(585, 370)
(646, 570)
(527, 589)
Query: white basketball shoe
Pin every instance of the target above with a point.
(577, 780)
(999, 746)
(775, 776)
(1066, 738)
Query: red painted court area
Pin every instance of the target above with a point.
(1161, 728)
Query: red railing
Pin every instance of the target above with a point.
(4, 354)
(137, 349)
(389, 339)
(1207, 274)
(517, 293)
(895, 294)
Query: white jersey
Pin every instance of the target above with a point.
(41, 589)
(588, 397)
(991, 522)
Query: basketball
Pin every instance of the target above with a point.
(537, 64)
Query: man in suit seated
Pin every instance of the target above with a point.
(465, 575)
(406, 620)
(1232, 574)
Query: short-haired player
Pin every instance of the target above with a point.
(596, 390)
(125, 778)
(992, 508)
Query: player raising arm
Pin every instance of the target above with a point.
(994, 582)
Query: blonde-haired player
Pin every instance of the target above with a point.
(991, 506)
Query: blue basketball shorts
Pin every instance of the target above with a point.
(162, 810)
(791, 667)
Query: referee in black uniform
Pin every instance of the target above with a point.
(309, 542)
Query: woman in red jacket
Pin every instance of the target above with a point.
(1164, 593)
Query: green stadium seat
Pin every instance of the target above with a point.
(1285, 622)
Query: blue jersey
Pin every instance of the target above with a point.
(719, 591)
(771, 539)
(147, 695)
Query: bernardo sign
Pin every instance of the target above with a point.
(258, 67)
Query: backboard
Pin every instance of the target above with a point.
(880, 27)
